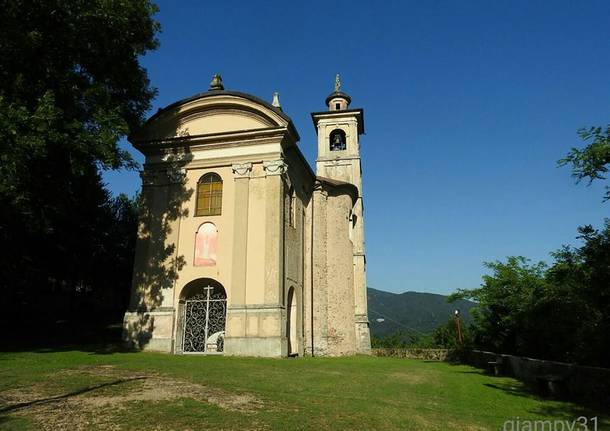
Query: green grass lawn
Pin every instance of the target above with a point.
(75, 390)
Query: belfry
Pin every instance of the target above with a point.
(242, 248)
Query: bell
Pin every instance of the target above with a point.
(338, 143)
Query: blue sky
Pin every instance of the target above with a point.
(468, 105)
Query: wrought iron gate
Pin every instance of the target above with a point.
(204, 321)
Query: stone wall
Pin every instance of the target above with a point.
(332, 309)
(578, 382)
(424, 354)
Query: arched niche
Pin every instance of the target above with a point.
(206, 245)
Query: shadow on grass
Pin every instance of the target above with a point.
(558, 407)
(93, 348)
(563, 407)
(18, 406)
(12, 422)
(65, 336)
(475, 371)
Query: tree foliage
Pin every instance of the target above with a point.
(592, 161)
(398, 340)
(506, 296)
(557, 312)
(71, 86)
(444, 336)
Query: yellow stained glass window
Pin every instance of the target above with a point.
(209, 195)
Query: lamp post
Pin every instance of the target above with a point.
(458, 326)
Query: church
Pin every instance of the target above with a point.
(242, 248)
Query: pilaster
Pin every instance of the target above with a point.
(236, 317)
(241, 173)
(256, 321)
(274, 229)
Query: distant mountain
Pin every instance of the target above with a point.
(414, 312)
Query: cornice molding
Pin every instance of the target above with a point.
(212, 140)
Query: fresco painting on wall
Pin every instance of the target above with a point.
(206, 243)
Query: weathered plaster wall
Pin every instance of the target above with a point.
(340, 278)
(333, 326)
(260, 255)
(345, 165)
(149, 322)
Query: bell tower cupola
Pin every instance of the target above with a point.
(339, 131)
(338, 100)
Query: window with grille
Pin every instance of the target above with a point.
(209, 195)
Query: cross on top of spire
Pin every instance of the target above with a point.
(341, 99)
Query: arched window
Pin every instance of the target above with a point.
(206, 245)
(209, 195)
(337, 140)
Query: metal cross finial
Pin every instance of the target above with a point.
(337, 83)
(208, 289)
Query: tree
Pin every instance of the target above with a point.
(581, 280)
(397, 340)
(557, 312)
(446, 336)
(71, 86)
(505, 301)
(591, 162)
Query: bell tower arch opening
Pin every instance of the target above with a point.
(337, 140)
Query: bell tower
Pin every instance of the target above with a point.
(339, 131)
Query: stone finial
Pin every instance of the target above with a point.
(216, 83)
(276, 100)
(337, 83)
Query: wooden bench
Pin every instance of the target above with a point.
(552, 385)
(495, 367)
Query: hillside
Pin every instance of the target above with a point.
(411, 311)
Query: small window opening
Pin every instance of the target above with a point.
(337, 106)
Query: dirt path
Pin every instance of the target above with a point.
(94, 405)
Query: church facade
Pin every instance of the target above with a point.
(242, 248)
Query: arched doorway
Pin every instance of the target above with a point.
(203, 315)
(291, 322)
